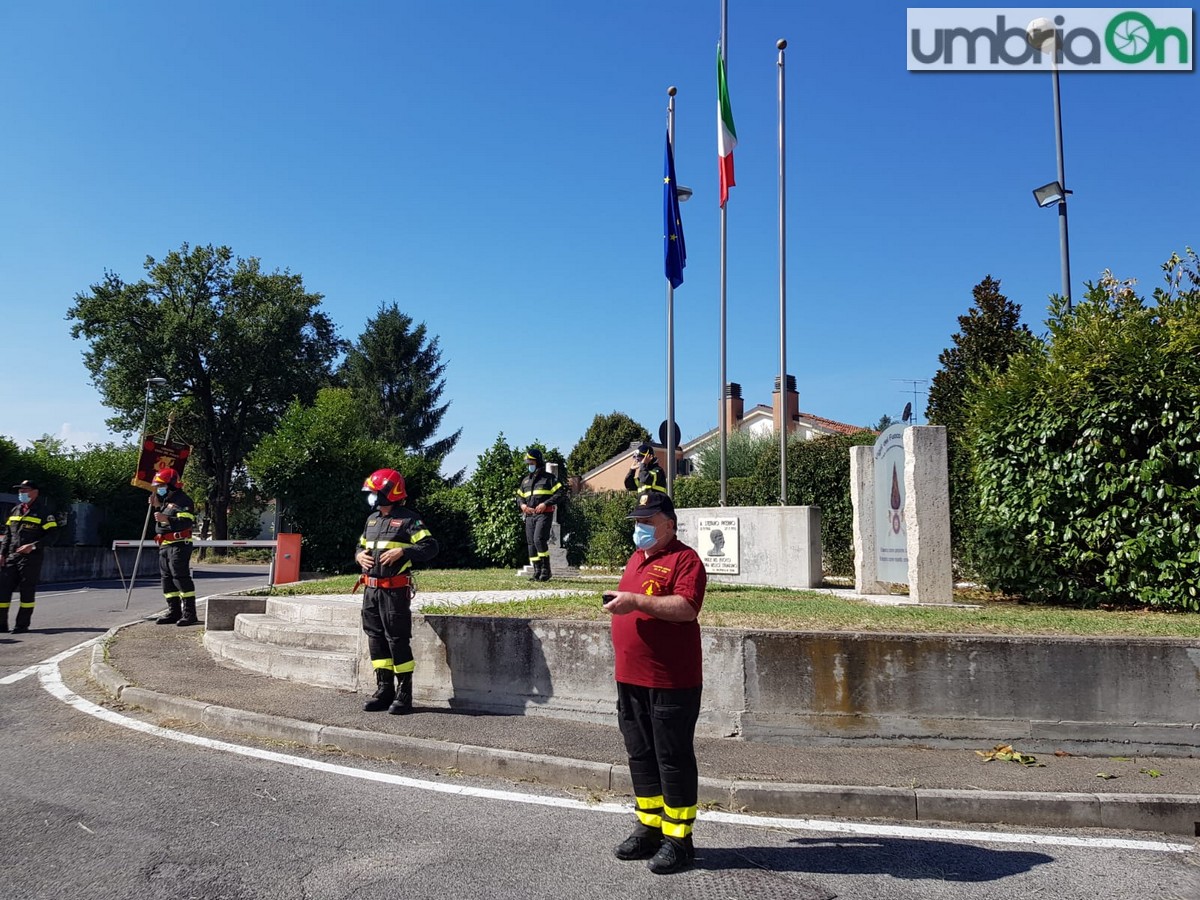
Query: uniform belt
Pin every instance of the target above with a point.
(395, 581)
(173, 536)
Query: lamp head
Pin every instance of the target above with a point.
(1049, 194)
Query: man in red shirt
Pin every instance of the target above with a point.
(656, 642)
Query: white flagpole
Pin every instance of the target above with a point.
(671, 325)
(723, 424)
(783, 423)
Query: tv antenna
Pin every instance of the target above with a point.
(915, 387)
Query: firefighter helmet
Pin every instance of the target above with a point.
(388, 484)
(166, 476)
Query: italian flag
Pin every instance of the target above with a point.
(726, 134)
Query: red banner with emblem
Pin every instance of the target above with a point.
(159, 454)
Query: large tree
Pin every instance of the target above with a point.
(607, 436)
(989, 335)
(235, 344)
(394, 371)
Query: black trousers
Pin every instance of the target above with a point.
(387, 623)
(175, 567)
(659, 728)
(21, 572)
(537, 536)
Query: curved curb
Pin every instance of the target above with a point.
(1161, 813)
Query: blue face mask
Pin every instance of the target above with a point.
(161, 491)
(23, 498)
(643, 535)
(531, 467)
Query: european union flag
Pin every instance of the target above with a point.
(675, 254)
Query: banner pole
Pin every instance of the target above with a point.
(146, 524)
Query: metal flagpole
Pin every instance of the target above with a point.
(671, 325)
(146, 524)
(783, 423)
(723, 424)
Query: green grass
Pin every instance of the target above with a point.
(732, 606)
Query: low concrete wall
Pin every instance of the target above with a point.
(778, 546)
(95, 563)
(1102, 695)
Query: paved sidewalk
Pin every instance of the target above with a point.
(168, 671)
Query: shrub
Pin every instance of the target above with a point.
(1087, 451)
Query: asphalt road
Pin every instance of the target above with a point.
(101, 802)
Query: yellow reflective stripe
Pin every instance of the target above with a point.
(32, 520)
(651, 803)
(187, 594)
(48, 524)
(521, 493)
(677, 820)
(5, 605)
(26, 606)
(174, 594)
(533, 559)
(419, 536)
(381, 664)
(650, 820)
(185, 515)
(405, 667)
(546, 490)
(545, 555)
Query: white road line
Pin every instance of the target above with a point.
(51, 680)
(51, 663)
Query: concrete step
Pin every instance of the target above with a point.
(320, 668)
(267, 629)
(327, 610)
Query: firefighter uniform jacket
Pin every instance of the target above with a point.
(646, 477)
(29, 523)
(539, 487)
(181, 516)
(400, 528)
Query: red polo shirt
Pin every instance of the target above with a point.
(653, 652)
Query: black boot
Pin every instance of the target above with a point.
(3, 620)
(385, 691)
(402, 705)
(545, 570)
(189, 612)
(172, 614)
(24, 614)
(675, 855)
(642, 844)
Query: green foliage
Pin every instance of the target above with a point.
(1087, 451)
(236, 344)
(605, 438)
(692, 491)
(599, 532)
(496, 526)
(447, 513)
(394, 371)
(990, 334)
(742, 450)
(315, 461)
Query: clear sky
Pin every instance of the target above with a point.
(496, 170)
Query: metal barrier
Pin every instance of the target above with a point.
(288, 543)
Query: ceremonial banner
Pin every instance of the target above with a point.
(159, 454)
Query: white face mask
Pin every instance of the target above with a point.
(531, 467)
(23, 498)
(371, 498)
(643, 535)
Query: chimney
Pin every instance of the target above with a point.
(790, 405)
(735, 406)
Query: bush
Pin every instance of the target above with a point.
(1087, 452)
(598, 532)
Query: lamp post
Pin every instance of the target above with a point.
(1044, 37)
(137, 559)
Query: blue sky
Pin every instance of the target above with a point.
(496, 170)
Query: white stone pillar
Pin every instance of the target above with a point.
(927, 514)
(862, 499)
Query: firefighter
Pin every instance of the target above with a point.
(537, 496)
(393, 538)
(30, 528)
(174, 517)
(645, 474)
(659, 673)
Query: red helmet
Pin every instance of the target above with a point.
(165, 476)
(388, 484)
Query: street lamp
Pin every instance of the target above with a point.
(683, 193)
(1044, 38)
(150, 382)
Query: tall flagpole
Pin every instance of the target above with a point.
(671, 324)
(723, 423)
(783, 423)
